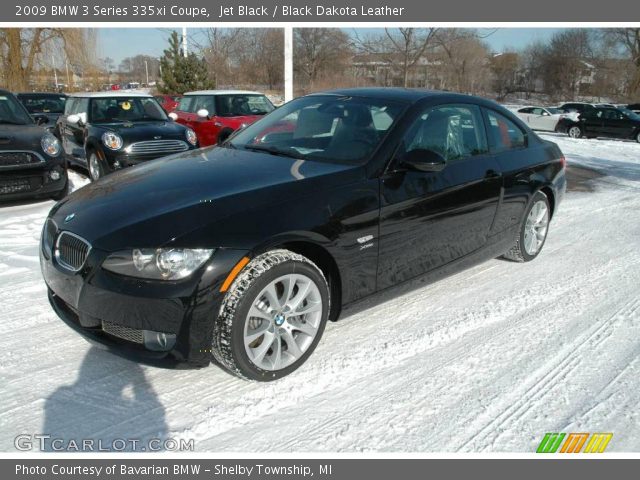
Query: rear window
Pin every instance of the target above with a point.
(43, 104)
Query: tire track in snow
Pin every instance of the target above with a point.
(553, 372)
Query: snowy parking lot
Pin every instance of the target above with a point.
(488, 360)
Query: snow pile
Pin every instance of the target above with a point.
(487, 360)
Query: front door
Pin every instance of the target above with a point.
(429, 219)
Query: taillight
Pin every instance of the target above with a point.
(563, 161)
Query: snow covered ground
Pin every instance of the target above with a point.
(487, 360)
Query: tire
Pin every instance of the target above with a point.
(575, 131)
(97, 169)
(523, 250)
(638, 137)
(62, 193)
(223, 135)
(261, 347)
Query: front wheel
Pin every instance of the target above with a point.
(533, 231)
(96, 167)
(272, 317)
(638, 137)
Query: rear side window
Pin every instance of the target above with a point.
(503, 133)
(454, 131)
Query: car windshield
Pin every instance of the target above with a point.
(322, 127)
(242, 105)
(126, 109)
(12, 113)
(43, 103)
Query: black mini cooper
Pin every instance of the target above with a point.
(31, 161)
(239, 254)
(106, 131)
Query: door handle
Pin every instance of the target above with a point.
(491, 174)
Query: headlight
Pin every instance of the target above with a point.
(157, 263)
(50, 145)
(112, 140)
(191, 137)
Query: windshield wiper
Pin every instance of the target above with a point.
(273, 151)
(9, 122)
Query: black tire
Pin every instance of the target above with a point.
(518, 253)
(578, 129)
(638, 137)
(228, 348)
(94, 176)
(223, 135)
(62, 193)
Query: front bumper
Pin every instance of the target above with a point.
(92, 301)
(20, 183)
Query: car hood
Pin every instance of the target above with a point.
(160, 201)
(21, 137)
(145, 130)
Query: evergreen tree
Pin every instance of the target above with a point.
(182, 74)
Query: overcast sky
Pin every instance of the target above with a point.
(119, 43)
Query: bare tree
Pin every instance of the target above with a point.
(504, 67)
(628, 39)
(565, 64)
(319, 51)
(22, 50)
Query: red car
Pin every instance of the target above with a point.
(216, 114)
(168, 102)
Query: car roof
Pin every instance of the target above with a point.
(41, 94)
(405, 95)
(223, 92)
(112, 93)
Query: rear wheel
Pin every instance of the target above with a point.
(533, 232)
(575, 131)
(272, 317)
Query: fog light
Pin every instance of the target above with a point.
(158, 341)
(54, 175)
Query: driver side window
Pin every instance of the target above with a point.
(455, 132)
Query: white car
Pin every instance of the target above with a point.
(542, 118)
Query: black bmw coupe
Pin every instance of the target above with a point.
(239, 254)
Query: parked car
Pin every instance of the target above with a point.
(216, 114)
(168, 102)
(45, 108)
(541, 118)
(579, 107)
(240, 254)
(604, 122)
(31, 164)
(106, 131)
(634, 107)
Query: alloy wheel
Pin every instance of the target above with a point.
(535, 230)
(283, 322)
(94, 167)
(575, 132)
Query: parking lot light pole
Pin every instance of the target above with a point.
(288, 64)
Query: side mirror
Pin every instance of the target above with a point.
(203, 113)
(423, 160)
(41, 119)
(77, 118)
(173, 116)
